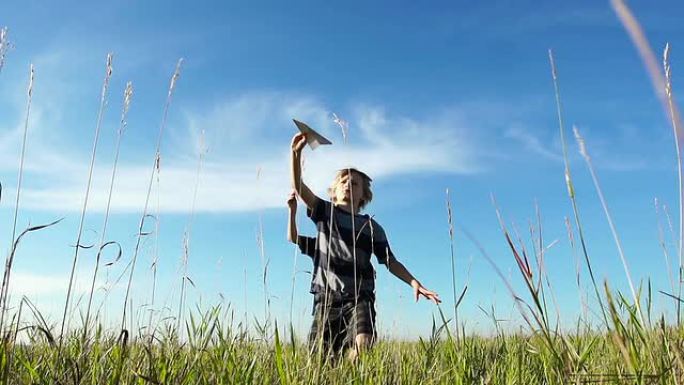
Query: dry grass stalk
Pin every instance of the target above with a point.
(663, 245)
(662, 86)
(344, 125)
(583, 151)
(578, 269)
(157, 154)
(4, 290)
(128, 93)
(676, 126)
(571, 189)
(265, 260)
(517, 300)
(453, 259)
(541, 265)
(649, 58)
(188, 230)
(12, 254)
(5, 46)
(155, 258)
(537, 309)
(296, 252)
(295, 246)
(100, 114)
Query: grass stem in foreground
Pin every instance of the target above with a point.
(587, 158)
(663, 89)
(453, 259)
(128, 93)
(100, 114)
(571, 189)
(141, 234)
(4, 289)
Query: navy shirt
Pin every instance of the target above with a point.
(343, 249)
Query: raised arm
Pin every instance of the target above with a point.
(399, 270)
(308, 197)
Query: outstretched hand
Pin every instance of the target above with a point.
(420, 290)
(298, 143)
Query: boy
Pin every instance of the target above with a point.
(343, 279)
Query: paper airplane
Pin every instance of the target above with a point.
(313, 138)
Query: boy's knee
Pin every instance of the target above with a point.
(363, 341)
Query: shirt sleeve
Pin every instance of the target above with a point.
(307, 245)
(320, 212)
(381, 247)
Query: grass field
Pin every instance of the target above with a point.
(217, 352)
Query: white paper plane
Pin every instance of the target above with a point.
(313, 138)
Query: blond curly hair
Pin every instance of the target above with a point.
(367, 195)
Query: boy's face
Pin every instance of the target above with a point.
(349, 189)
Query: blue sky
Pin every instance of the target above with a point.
(447, 95)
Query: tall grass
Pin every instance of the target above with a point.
(585, 154)
(144, 216)
(78, 246)
(218, 351)
(571, 188)
(456, 298)
(155, 257)
(662, 85)
(664, 246)
(4, 290)
(188, 230)
(128, 94)
(679, 139)
(265, 260)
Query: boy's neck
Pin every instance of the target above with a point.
(347, 207)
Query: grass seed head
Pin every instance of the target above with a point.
(202, 146)
(344, 125)
(668, 73)
(128, 94)
(581, 143)
(554, 74)
(5, 45)
(176, 75)
(108, 74)
(568, 184)
(31, 76)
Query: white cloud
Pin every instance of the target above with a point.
(249, 133)
(36, 285)
(607, 153)
(532, 143)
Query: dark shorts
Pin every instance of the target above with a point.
(338, 323)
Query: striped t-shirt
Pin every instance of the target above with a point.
(307, 245)
(343, 237)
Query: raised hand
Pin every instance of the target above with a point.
(298, 143)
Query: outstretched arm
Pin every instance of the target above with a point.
(292, 214)
(309, 198)
(399, 270)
